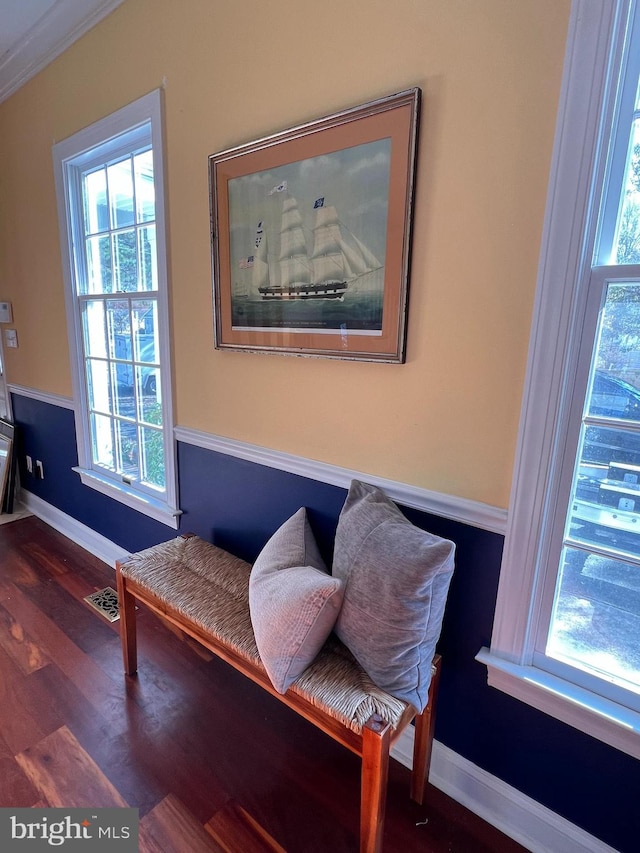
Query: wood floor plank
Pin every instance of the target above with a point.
(104, 692)
(19, 645)
(21, 723)
(151, 759)
(41, 557)
(5, 751)
(233, 830)
(62, 702)
(73, 617)
(79, 587)
(16, 569)
(16, 790)
(65, 775)
(171, 828)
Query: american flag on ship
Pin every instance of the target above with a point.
(319, 202)
(246, 263)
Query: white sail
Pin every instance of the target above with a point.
(328, 268)
(369, 258)
(326, 216)
(349, 272)
(326, 240)
(260, 271)
(290, 215)
(334, 261)
(356, 260)
(327, 258)
(293, 261)
(292, 243)
(327, 225)
(294, 270)
(260, 276)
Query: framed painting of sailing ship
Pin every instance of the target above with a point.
(311, 235)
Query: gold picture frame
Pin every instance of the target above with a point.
(311, 235)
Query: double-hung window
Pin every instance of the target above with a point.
(567, 629)
(109, 180)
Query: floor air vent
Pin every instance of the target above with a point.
(105, 601)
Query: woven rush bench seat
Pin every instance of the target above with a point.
(204, 591)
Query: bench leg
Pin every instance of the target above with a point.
(127, 608)
(376, 741)
(423, 740)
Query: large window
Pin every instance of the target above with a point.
(567, 630)
(109, 181)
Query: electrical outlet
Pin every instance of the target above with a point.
(29, 462)
(39, 470)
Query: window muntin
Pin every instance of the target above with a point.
(594, 624)
(113, 237)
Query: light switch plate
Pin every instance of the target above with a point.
(6, 312)
(11, 338)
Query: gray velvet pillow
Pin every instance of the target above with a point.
(396, 583)
(293, 601)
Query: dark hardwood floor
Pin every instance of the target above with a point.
(211, 761)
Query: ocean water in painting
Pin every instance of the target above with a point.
(358, 313)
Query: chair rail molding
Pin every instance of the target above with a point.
(477, 514)
(454, 508)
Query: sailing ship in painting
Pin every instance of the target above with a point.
(336, 261)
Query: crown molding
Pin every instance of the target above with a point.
(63, 24)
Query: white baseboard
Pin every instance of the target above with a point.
(533, 825)
(82, 535)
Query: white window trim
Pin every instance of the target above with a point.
(565, 265)
(139, 112)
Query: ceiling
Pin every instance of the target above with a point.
(34, 32)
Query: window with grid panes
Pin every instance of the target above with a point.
(109, 181)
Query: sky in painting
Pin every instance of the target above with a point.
(353, 180)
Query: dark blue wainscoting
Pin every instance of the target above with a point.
(238, 504)
(47, 433)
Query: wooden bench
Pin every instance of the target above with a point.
(203, 590)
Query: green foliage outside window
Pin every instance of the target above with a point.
(628, 248)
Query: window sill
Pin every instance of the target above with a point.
(155, 509)
(601, 718)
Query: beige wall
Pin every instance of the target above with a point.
(232, 72)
